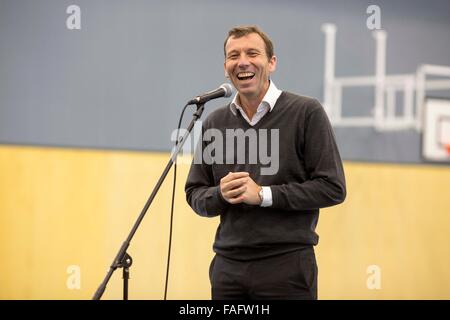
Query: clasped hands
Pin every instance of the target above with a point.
(238, 187)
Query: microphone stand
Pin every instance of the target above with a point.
(123, 259)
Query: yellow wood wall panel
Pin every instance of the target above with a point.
(396, 217)
(63, 207)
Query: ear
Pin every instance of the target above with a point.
(272, 64)
(225, 71)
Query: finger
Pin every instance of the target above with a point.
(239, 174)
(234, 175)
(237, 183)
(231, 191)
(236, 192)
(239, 199)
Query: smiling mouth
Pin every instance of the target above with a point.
(245, 75)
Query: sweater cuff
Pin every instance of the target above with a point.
(216, 204)
(220, 196)
(276, 199)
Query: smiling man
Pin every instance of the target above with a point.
(264, 242)
(248, 64)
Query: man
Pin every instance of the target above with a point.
(264, 243)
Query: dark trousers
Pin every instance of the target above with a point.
(287, 276)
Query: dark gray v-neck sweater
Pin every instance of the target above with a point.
(310, 176)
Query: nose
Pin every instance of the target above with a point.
(243, 61)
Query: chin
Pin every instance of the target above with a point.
(247, 92)
(246, 89)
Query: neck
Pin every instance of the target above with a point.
(250, 103)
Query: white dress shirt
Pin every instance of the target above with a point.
(267, 104)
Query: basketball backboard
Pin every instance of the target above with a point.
(436, 130)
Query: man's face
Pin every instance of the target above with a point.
(248, 66)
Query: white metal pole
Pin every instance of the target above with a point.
(380, 75)
(420, 96)
(330, 44)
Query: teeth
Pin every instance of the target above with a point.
(245, 74)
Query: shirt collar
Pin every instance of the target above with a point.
(270, 98)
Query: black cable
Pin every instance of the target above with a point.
(173, 202)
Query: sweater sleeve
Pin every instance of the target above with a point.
(325, 185)
(202, 194)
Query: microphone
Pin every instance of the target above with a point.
(224, 90)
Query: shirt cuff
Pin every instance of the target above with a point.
(267, 197)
